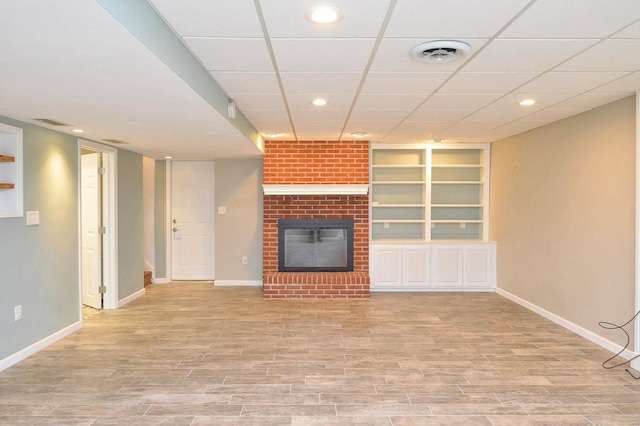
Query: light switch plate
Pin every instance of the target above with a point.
(33, 218)
(222, 210)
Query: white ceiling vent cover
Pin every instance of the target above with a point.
(440, 51)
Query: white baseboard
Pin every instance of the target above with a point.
(580, 331)
(161, 280)
(237, 283)
(39, 345)
(131, 298)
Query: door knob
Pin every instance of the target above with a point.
(175, 221)
(175, 229)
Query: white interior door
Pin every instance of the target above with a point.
(91, 238)
(192, 225)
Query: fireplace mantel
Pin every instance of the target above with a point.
(315, 189)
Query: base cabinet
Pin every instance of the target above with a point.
(433, 266)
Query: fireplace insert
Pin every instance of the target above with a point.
(315, 245)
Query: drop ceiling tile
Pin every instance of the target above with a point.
(451, 18)
(413, 132)
(403, 82)
(457, 102)
(550, 115)
(632, 31)
(267, 127)
(568, 82)
(497, 115)
(266, 115)
(374, 129)
(543, 100)
(325, 82)
(591, 100)
(319, 130)
(610, 55)
(258, 101)
(247, 82)
(379, 115)
(389, 102)
(393, 55)
(361, 18)
(445, 116)
(231, 54)
(573, 19)
(324, 115)
(322, 55)
(533, 55)
(302, 101)
(213, 18)
(628, 84)
(486, 82)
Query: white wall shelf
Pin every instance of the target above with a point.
(11, 195)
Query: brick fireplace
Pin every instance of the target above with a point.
(316, 180)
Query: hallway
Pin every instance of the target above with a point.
(195, 354)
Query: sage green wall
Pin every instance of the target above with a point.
(562, 213)
(130, 228)
(39, 264)
(160, 200)
(239, 231)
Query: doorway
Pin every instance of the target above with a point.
(191, 216)
(97, 189)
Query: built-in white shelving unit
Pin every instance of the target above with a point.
(429, 218)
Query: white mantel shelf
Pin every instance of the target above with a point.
(315, 189)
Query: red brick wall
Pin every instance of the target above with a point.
(316, 162)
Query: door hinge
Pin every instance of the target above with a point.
(102, 230)
(102, 289)
(101, 170)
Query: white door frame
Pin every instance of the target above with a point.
(636, 335)
(110, 215)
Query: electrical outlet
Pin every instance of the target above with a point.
(245, 260)
(17, 311)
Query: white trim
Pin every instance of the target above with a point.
(237, 283)
(162, 280)
(110, 252)
(580, 331)
(131, 297)
(316, 189)
(432, 290)
(39, 345)
(167, 214)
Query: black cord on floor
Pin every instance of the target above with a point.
(612, 326)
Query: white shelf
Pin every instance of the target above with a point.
(11, 196)
(452, 177)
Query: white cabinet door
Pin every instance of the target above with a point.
(447, 267)
(416, 269)
(386, 266)
(478, 270)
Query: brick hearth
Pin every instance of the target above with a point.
(316, 162)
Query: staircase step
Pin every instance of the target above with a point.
(147, 278)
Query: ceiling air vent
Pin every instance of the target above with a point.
(50, 122)
(116, 141)
(440, 51)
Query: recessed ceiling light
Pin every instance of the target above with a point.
(323, 15)
(527, 102)
(78, 131)
(319, 102)
(168, 157)
(358, 135)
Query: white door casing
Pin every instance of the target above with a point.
(91, 244)
(109, 221)
(192, 220)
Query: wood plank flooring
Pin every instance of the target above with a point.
(196, 354)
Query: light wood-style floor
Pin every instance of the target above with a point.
(195, 354)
